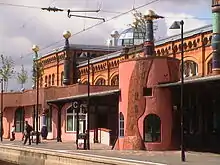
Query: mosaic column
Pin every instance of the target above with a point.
(149, 39)
(66, 76)
(149, 35)
(67, 60)
(216, 36)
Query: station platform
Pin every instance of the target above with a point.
(103, 152)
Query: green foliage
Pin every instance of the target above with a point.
(37, 66)
(22, 76)
(6, 69)
(139, 23)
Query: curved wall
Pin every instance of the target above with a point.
(134, 75)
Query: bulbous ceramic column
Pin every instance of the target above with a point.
(149, 36)
(67, 60)
(216, 36)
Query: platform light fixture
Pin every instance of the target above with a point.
(179, 25)
(35, 49)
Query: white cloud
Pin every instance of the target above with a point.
(190, 22)
(22, 27)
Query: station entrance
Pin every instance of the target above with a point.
(201, 115)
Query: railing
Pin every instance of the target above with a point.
(215, 2)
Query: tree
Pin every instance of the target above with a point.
(6, 69)
(139, 24)
(22, 76)
(37, 65)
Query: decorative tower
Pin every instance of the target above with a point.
(216, 36)
(145, 110)
(149, 36)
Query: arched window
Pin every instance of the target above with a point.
(115, 80)
(49, 82)
(190, 68)
(121, 124)
(45, 81)
(53, 79)
(100, 81)
(61, 78)
(19, 120)
(152, 128)
(71, 121)
(209, 67)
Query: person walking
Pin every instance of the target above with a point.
(12, 133)
(27, 133)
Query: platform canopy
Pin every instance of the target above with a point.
(83, 96)
(192, 80)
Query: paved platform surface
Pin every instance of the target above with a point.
(6, 163)
(145, 157)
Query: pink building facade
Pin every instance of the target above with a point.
(145, 111)
(138, 117)
(20, 107)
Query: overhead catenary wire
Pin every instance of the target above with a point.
(104, 11)
(22, 6)
(55, 9)
(97, 24)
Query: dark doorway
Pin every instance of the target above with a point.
(201, 116)
(102, 120)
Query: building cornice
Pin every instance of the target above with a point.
(187, 34)
(207, 28)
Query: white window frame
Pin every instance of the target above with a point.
(121, 125)
(73, 114)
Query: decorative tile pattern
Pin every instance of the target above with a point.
(136, 104)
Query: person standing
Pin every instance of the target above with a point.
(27, 133)
(12, 133)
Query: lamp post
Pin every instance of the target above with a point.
(88, 102)
(35, 48)
(1, 109)
(87, 57)
(179, 25)
(67, 60)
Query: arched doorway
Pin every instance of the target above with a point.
(19, 120)
(152, 128)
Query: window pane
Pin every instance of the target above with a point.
(49, 120)
(17, 126)
(152, 128)
(19, 120)
(49, 123)
(121, 125)
(126, 41)
(22, 126)
(75, 124)
(148, 137)
(121, 132)
(136, 35)
(70, 123)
